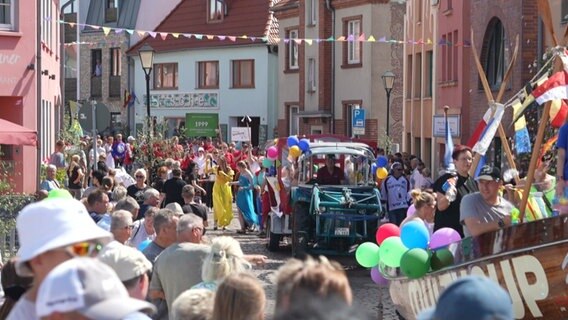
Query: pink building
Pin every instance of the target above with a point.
(29, 83)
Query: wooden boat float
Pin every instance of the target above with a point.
(529, 260)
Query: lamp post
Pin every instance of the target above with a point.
(146, 54)
(388, 83)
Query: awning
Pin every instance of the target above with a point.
(14, 134)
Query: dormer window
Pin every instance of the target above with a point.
(216, 10)
(111, 11)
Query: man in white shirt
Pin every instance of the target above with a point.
(395, 194)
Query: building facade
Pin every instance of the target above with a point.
(321, 82)
(29, 84)
(419, 85)
(220, 62)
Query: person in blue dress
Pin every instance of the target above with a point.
(245, 204)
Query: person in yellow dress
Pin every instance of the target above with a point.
(222, 194)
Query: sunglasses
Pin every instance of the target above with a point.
(85, 249)
(141, 177)
(129, 227)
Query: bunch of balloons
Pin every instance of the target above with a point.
(410, 248)
(296, 146)
(379, 167)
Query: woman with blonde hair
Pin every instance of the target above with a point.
(239, 297)
(75, 175)
(425, 205)
(222, 195)
(225, 258)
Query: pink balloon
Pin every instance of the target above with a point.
(272, 153)
(411, 210)
(444, 237)
(378, 277)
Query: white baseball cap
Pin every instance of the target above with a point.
(89, 287)
(127, 262)
(51, 224)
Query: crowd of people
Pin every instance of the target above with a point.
(220, 174)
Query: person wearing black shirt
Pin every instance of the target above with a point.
(451, 187)
(190, 206)
(173, 187)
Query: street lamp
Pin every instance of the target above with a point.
(146, 54)
(388, 83)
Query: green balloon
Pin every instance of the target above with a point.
(59, 194)
(367, 254)
(391, 251)
(441, 258)
(415, 263)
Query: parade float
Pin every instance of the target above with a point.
(529, 259)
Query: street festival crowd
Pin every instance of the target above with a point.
(111, 241)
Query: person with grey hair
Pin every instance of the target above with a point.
(165, 223)
(118, 194)
(128, 204)
(137, 190)
(50, 182)
(121, 225)
(151, 199)
(193, 304)
(168, 279)
(144, 228)
(176, 208)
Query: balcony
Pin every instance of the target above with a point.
(114, 87)
(71, 89)
(96, 87)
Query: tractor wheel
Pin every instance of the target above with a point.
(300, 229)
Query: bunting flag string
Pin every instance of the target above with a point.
(309, 41)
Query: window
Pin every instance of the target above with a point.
(408, 78)
(111, 11)
(294, 125)
(418, 76)
(7, 15)
(444, 59)
(208, 74)
(428, 76)
(96, 66)
(312, 12)
(455, 57)
(292, 51)
(352, 51)
(450, 6)
(564, 9)
(115, 62)
(493, 53)
(312, 85)
(243, 73)
(165, 76)
(215, 10)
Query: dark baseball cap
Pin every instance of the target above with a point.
(472, 298)
(489, 173)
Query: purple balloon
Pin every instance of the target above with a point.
(444, 237)
(378, 277)
(411, 210)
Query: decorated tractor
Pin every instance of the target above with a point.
(323, 215)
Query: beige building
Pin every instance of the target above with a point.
(321, 82)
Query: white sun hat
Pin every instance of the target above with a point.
(51, 224)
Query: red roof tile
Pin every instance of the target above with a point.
(244, 17)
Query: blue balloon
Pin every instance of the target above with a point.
(144, 244)
(382, 162)
(414, 234)
(304, 145)
(293, 141)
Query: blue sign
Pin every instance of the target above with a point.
(358, 123)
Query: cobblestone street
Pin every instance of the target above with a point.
(366, 294)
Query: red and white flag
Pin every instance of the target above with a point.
(555, 88)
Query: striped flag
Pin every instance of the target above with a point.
(483, 143)
(448, 163)
(479, 129)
